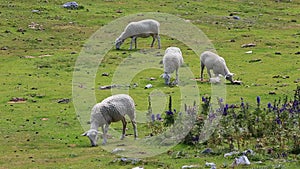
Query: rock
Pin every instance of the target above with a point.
(248, 151)
(148, 86)
(293, 20)
(138, 168)
(237, 82)
(248, 45)
(21, 30)
(249, 52)
(4, 48)
(297, 80)
(230, 153)
(277, 53)
(107, 87)
(70, 5)
(242, 160)
(117, 150)
(152, 78)
(35, 11)
(211, 165)
(255, 60)
(207, 151)
(17, 100)
(236, 17)
(119, 11)
(190, 166)
(272, 92)
(64, 100)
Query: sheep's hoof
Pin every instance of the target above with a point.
(237, 82)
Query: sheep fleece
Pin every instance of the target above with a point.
(113, 108)
(141, 27)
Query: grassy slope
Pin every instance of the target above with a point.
(28, 141)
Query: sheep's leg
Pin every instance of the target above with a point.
(134, 129)
(124, 128)
(104, 130)
(153, 40)
(176, 79)
(135, 44)
(132, 39)
(209, 74)
(202, 68)
(158, 41)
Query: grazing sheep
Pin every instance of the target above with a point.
(111, 109)
(216, 63)
(172, 60)
(143, 29)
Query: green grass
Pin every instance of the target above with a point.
(42, 133)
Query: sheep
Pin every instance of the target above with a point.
(143, 29)
(215, 62)
(172, 60)
(111, 109)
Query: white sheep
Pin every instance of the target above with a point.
(172, 60)
(216, 63)
(111, 109)
(143, 29)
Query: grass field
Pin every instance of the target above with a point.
(41, 42)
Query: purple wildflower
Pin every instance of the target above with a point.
(195, 138)
(152, 117)
(269, 105)
(220, 100)
(169, 113)
(225, 112)
(203, 99)
(278, 121)
(243, 104)
(158, 117)
(258, 100)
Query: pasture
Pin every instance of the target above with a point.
(41, 42)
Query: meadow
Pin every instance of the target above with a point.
(41, 42)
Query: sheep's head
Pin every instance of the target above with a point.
(167, 78)
(229, 77)
(92, 134)
(119, 42)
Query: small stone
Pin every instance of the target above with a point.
(255, 60)
(119, 11)
(4, 48)
(248, 45)
(277, 53)
(272, 92)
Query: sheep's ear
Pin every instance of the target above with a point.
(84, 134)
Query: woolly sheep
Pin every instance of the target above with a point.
(143, 29)
(172, 60)
(111, 109)
(216, 63)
